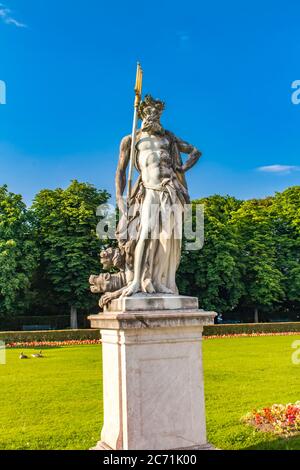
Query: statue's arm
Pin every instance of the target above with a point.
(122, 165)
(193, 154)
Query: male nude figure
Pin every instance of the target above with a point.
(163, 184)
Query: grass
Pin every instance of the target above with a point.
(51, 403)
(56, 402)
(242, 374)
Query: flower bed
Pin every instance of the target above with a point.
(55, 344)
(277, 419)
(52, 344)
(249, 335)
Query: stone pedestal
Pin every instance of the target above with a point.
(152, 373)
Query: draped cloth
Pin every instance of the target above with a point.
(156, 211)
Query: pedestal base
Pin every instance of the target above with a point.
(152, 374)
(102, 446)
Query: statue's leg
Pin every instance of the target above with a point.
(163, 266)
(143, 242)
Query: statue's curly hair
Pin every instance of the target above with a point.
(150, 102)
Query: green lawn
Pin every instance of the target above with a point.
(56, 402)
(51, 403)
(246, 373)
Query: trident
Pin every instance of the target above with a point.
(138, 96)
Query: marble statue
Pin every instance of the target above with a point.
(153, 391)
(150, 227)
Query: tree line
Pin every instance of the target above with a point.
(248, 268)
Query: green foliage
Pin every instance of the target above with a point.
(54, 322)
(66, 230)
(250, 259)
(249, 262)
(286, 220)
(90, 334)
(251, 328)
(49, 335)
(257, 254)
(212, 274)
(18, 254)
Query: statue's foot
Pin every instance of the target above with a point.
(148, 286)
(161, 289)
(133, 288)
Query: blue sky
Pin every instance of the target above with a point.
(224, 68)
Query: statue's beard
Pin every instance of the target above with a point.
(153, 127)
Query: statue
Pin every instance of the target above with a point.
(149, 232)
(151, 336)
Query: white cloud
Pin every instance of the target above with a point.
(279, 169)
(5, 16)
(15, 22)
(183, 38)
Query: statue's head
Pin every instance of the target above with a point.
(102, 283)
(150, 112)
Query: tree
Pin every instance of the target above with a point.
(262, 280)
(66, 228)
(286, 220)
(18, 254)
(212, 273)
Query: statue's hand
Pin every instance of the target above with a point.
(106, 298)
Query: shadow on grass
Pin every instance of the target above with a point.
(277, 443)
